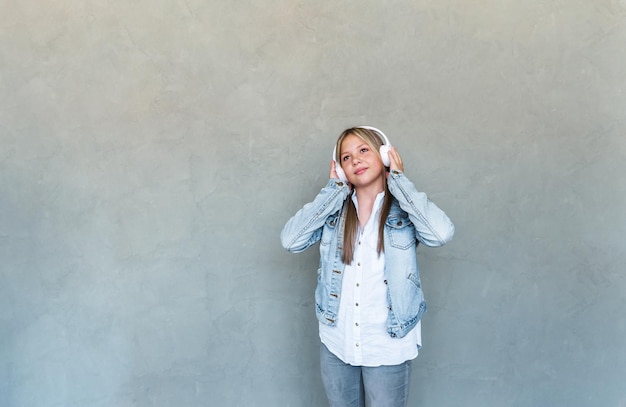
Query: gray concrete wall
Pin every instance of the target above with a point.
(152, 150)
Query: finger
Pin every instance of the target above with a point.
(396, 160)
(394, 155)
(397, 155)
(395, 151)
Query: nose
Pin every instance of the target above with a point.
(355, 160)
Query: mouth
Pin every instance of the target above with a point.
(360, 171)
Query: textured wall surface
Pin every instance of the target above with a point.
(151, 151)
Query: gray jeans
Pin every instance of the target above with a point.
(361, 386)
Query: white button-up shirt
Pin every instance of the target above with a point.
(360, 336)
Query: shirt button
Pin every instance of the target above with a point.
(357, 304)
(357, 345)
(358, 285)
(357, 324)
(359, 264)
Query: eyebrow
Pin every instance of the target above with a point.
(358, 148)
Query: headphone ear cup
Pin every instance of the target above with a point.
(340, 173)
(384, 154)
(338, 169)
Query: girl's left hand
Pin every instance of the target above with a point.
(395, 161)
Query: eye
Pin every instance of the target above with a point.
(364, 150)
(345, 158)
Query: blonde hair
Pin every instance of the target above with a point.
(351, 224)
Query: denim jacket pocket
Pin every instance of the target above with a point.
(329, 229)
(415, 279)
(401, 232)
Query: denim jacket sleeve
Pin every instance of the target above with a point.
(304, 228)
(432, 226)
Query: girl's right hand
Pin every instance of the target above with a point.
(333, 172)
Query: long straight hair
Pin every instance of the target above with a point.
(351, 225)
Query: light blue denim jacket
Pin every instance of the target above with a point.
(413, 218)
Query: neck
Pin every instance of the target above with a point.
(366, 197)
(367, 194)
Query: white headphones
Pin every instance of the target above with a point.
(384, 152)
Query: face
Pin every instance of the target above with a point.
(362, 165)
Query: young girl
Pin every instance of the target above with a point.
(369, 220)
